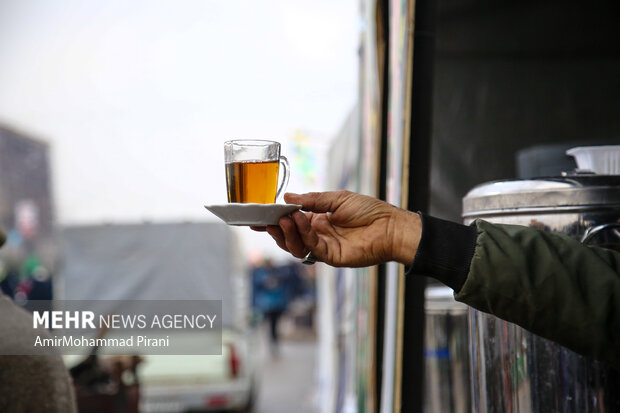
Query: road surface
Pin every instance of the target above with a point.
(289, 381)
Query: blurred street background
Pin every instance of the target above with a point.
(113, 117)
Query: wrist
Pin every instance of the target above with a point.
(407, 233)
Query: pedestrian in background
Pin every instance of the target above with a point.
(269, 296)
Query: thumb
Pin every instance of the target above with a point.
(318, 201)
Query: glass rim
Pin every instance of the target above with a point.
(251, 142)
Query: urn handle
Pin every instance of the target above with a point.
(592, 231)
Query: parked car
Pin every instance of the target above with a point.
(202, 383)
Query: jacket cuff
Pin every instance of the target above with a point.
(445, 251)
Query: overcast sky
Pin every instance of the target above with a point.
(137, 97)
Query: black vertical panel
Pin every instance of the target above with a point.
(419, 194)
(383, 17)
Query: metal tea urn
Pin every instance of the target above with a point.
(446, 353)
(512, 369)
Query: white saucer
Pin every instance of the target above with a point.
(252, 214)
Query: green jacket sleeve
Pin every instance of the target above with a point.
(549, 284)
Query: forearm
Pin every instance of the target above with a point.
(547, 283)
(444, 251)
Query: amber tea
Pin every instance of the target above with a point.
(255, 182)
(252, 168)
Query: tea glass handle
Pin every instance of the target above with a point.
(287, 171)
(592, 231)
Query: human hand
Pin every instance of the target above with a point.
(345, 229)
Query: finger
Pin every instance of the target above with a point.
(277, 235)
(258, 229)
(318, 201)
(292, 238)
(308, 236)
(322, 224)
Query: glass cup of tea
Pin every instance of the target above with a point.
(252, 171)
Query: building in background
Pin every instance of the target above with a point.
(26, 214)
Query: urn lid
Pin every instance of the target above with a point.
(555, 194)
